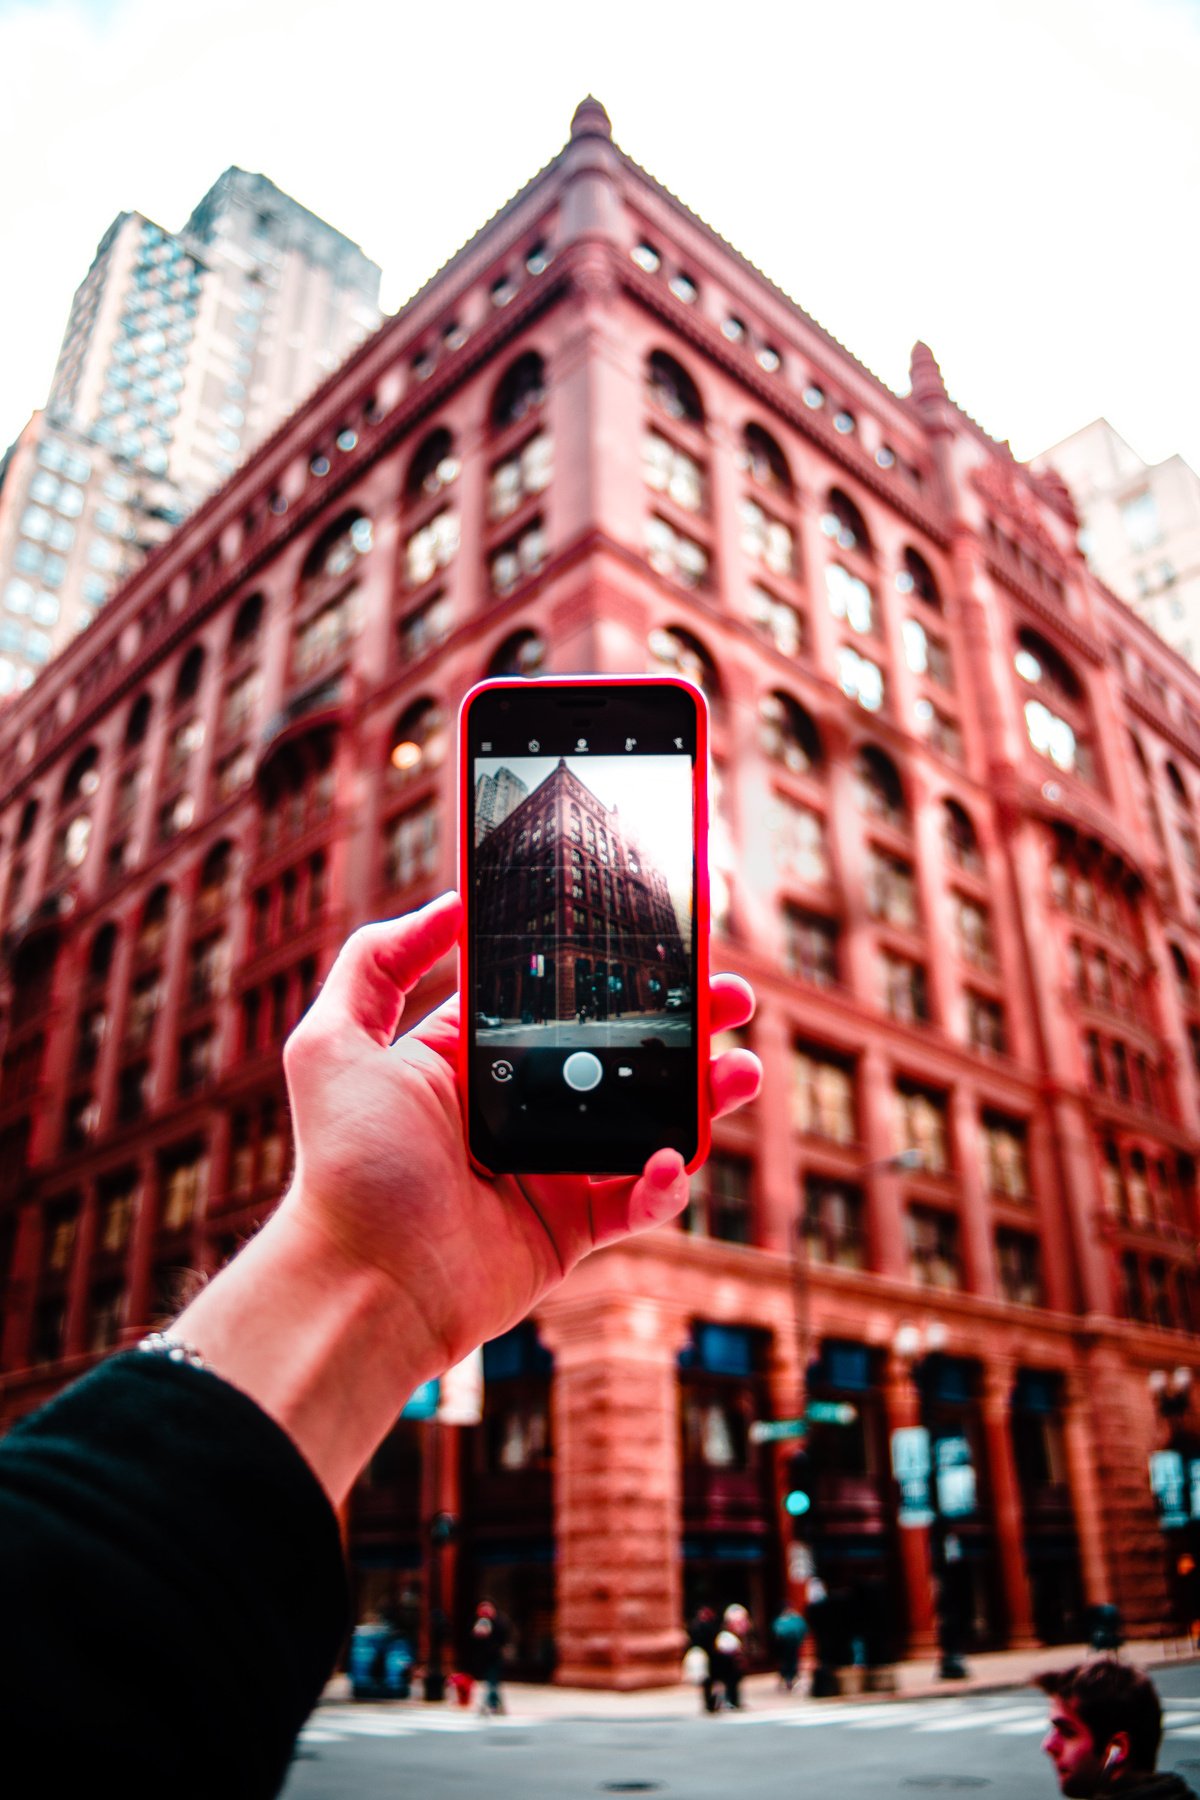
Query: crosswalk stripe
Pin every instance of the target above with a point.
(984, 1721)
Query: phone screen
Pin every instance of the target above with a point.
(581, 845)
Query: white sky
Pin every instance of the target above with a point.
(652, 794)
(1015, 182)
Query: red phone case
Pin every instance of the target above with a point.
(702, 911)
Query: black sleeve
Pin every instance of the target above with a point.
(172, 1590)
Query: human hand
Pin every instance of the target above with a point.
(382, 1173)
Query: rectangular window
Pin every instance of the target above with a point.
(798, 839)
(721, 1199)
(241, 701)
(834, 1223)
(850, 600)
(903, 989)
(921, 1127)
(1019, 1262)
(810, 947)
(1006, 1160)
(933, 1247)
(325, 635)
(431, 548)
(823, 1096)
(412, 847)
(515, 480)
(766, 540)
(421, 630)
(891, 889)
(985, 1024)
(973, 930)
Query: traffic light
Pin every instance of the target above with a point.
(797, 1491)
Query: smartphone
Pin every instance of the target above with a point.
(583, 865)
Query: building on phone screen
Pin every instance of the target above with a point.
(574, 919)
(956, 804)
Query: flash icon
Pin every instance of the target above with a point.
(581, 744)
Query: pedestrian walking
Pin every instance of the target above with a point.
(490, 1637)
(1105, 1732)
(731, 1658)
(789, 1632)
(703, 1632)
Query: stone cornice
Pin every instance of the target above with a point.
(1056, 618)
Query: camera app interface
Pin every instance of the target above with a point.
(583, 898)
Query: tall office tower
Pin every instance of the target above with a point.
(182, 352)
(1141, 528)
(955, 847)
(495, 797)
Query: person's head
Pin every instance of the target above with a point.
(1105, 1724)
(485, 1610)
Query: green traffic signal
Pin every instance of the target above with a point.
(796, 1504)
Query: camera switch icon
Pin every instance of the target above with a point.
(502, 1070)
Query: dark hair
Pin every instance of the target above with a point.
(1109, 1697)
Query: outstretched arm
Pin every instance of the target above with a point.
(390, 1257)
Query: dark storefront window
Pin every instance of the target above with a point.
(731, 1543)
(1051, 1546)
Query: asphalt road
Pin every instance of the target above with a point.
(986, 1744)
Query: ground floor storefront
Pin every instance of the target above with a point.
(965, 1486)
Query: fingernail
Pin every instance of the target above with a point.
(665, 1170)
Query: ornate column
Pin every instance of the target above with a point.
(1085, 1490)
(780, 1200)
(1006, 1503)
(903, 1409)
(885, 1200)
(974, 1211)
(618, 1487)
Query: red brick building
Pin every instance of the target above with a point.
(955, 850)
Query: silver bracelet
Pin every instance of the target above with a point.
(164, 1343)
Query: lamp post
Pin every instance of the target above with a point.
(919, 1347)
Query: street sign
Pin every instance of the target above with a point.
(818, 1412)
(911, 1466)
(830, 1412)
(774, 1431)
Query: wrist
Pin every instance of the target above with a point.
(328, 1346)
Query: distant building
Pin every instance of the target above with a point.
(495, 797)
(181, 354)
(955, 847)
(1141, 528)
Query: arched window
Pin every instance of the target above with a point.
(521, 389)
(521, 653)
(248, 622)
(916, 577)
(29, 813)
(682, 654)
(672, 390)
(1178, 788)
(82, 778)
(418, 742)
(152, 927)
(1056, 717)
(338, 549)
(216, 877)
(764, 460)
(138, 722)
(959, 839)
(878, 787)
(1183, 971)
(434, 466)
(787, 733)
(843, 522)
(190, 670)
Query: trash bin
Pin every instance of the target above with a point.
(368, 1650)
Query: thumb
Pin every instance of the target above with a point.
(379, 964)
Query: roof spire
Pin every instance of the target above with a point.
(590, 119)
(925, 377)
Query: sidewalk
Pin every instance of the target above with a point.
(913, 1680)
